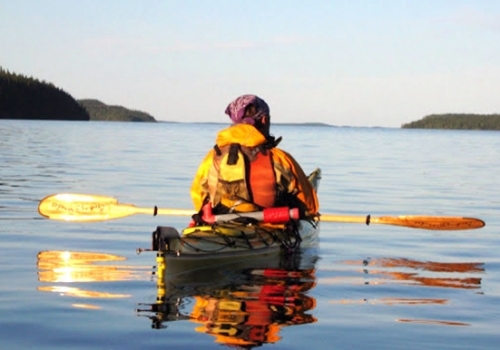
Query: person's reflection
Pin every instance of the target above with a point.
(249, 310)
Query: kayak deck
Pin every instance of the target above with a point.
(209, 240)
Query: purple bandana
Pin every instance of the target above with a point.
(236, 109)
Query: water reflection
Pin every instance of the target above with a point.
(433, 322)
(242, 306)
(247, 303)
(70, 267)
(426, 273)
(383, 271)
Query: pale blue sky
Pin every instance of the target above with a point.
(358, 63)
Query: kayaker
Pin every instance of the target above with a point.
(245, 171)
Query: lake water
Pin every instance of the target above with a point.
(78, 285)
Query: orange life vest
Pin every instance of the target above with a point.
(248, 181)
(242, 178)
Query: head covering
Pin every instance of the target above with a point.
(236, 109)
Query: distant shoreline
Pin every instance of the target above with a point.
(457, 121)
(222, 123)
(28, 98)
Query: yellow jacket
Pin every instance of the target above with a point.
(284, 164)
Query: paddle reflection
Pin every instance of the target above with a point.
(70, 267)
(461, 275)
(237, 306)
(427, 273)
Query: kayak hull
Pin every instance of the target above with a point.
(199, 251)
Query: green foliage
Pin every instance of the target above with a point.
(100, 111)
(23, 97)
(457, 121)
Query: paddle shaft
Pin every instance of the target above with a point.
(442, 223)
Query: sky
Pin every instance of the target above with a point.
(347, 63)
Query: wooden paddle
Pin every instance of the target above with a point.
(87, 208)
(442, 223)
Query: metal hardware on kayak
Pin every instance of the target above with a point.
(164, 238)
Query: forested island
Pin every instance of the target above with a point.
(23, 97)
(457, 121)
(101, 111)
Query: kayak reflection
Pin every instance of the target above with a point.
(241, 304)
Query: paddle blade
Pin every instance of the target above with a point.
(83, 207)
(442, 223)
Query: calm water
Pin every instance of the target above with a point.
(372, 287)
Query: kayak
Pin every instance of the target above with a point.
(240, 237)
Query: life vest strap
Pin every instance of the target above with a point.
(232, 158)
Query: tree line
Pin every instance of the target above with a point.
(23, 97)
(101, 111)
(457, 121)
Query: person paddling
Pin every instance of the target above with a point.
(245, 171)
